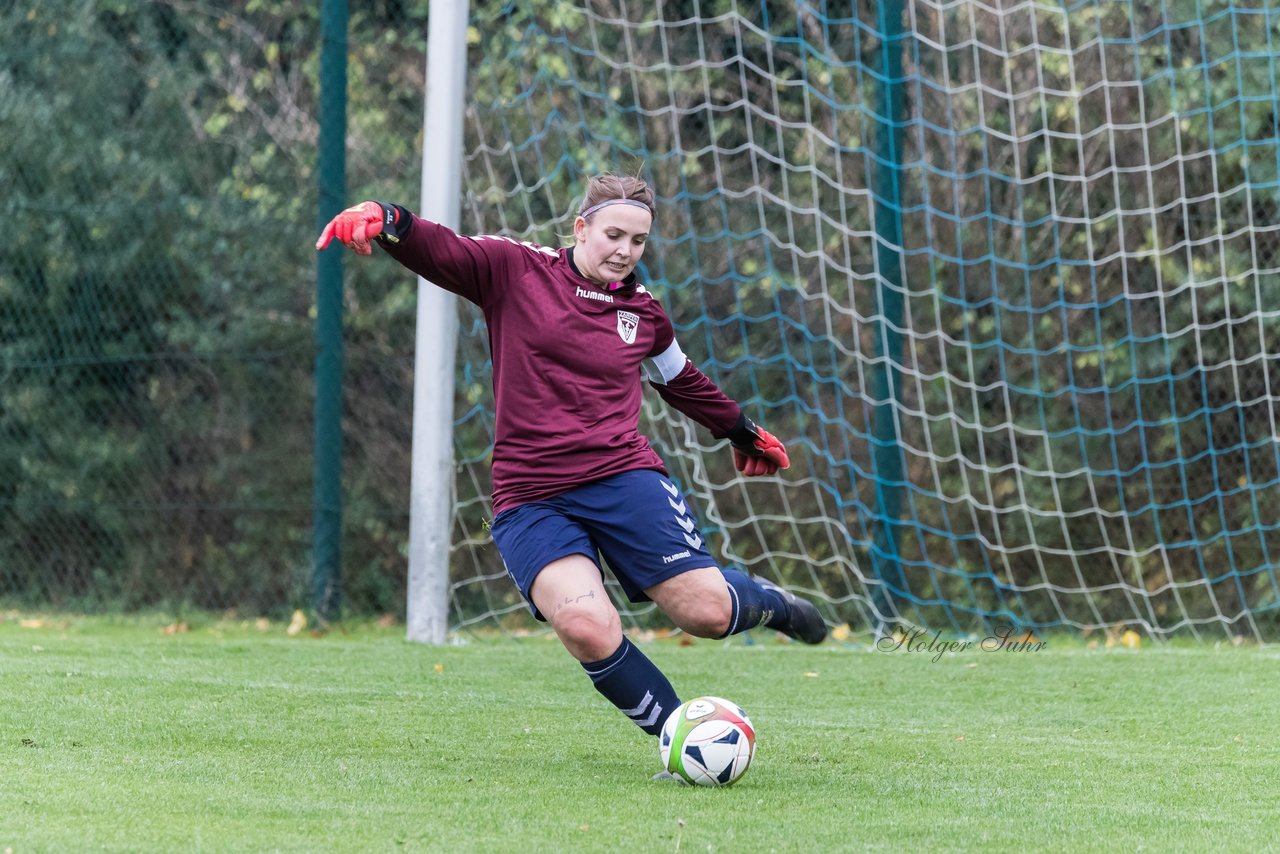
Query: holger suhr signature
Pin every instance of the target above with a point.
(1003, 639)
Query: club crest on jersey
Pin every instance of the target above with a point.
(627, 323)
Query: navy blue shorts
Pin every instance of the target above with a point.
(638, 521)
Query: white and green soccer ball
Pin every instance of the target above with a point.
(708, 741)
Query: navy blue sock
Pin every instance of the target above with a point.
(635, 685)
(753, 604)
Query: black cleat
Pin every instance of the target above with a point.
(804, 623)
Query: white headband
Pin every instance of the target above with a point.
(589, 211)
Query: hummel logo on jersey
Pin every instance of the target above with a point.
(596, 295)
(627, 323)
(675, 557)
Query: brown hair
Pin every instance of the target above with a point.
(608, 187)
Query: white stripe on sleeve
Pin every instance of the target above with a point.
(665, 366)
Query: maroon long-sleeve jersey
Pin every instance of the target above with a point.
(568, 359)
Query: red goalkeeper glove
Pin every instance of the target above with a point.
(755, 450)
(357, 225)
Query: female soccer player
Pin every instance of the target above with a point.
(571, 333)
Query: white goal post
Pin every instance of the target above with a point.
(431, 478)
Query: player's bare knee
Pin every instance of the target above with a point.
(588, 633)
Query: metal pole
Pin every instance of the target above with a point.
(886, 380)
(431, 484)
(326, 522)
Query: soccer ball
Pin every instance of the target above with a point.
(707, 742)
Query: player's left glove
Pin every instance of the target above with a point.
(755, 450)
(359, 224)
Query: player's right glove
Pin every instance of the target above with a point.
(755, 450)
(359, 224)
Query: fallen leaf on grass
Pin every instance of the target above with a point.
(177, 629)
(297, 624)
(841, 632)
(1129, 639)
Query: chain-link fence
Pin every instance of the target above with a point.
(1087, 395)
(157, 293)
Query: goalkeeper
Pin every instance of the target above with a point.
(571, 333)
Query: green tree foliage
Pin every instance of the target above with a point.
(157, 282)
(157, 348)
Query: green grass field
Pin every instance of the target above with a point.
(234, 737)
